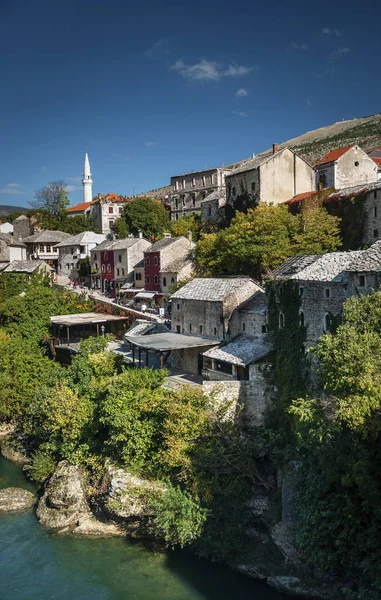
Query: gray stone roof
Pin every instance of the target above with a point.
(211, 289)
(117, 244)
(219, 195)
(47, 237)
(253, 163)
(176, 265)
(367, 260)
(11, 241)
(256, 304)
(164, 243)
(242, 351)
(356, 189)
(140, 327)
(25, 266)
(327, 267)
(86, 237)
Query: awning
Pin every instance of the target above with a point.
(145, 295)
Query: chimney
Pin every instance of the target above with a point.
(275, 148)
(140, 234)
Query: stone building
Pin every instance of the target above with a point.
(112, 263)
(242, 360)
(190, 190)
(22, 227)
(271, 178)
(11, 249)
(105, 209)
(29, 268)
(166, 262)
(206, 306)
(346, 167)
(250, 317)
(43, 246)
(76, 248)
(325, 282)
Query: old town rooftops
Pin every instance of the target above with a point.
(46, 237)
(122, 244)
(86, 237)
(83, 206)
(242, 351)
(333, 155)
(211, 289)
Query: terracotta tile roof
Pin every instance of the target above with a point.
(376, 160)
(79, 207)
(333, 155)
(300, 197)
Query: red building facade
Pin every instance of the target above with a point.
(107, 271)
(152, 271)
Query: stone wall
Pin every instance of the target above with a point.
(354, 168)
(188, 359)
(248, 322)
(372, 222)
(250, 400)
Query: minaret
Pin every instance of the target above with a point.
(87, 182)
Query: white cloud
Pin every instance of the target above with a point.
(328, 32)
(12, 188)
(158, 49)
(336, 54)
(150, 144)
(241, 93)
(239, 113)
(208, 70)
(295, 46)
(72, 188)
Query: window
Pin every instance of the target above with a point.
(94, 257)
(327, 292)
(120, 209)
(209, 211)
(253, 186)
(164, 281)
(147, 261)
(110, 210)
(327, 322)
(176, 203)
(111, 224)
(375, 233)
(96, 266)
(177, 328)
(281, 320)
(375, 212)
(138, 276)
(105, 256)
(193, 200)
(177, 217)
(233, 190)
(203, 180)
(103, 268)
(193, 182)
(122, 271)
(172, 280)
(178, 307)
(48, 248)
(264, 328)
(375, 195)
(211, 179)
(183, 184)
(356, 163)
(147, 279)
(177, 185)
(120, 258)
(155, 260)
(301, 291)
(82, 249)
(72, 265)
(156, 279)
(117, 272)
(71, 250)
(200, 329)
(109, 268)
(243, 326)
(190, 327)
(183, 202)
(301, 318)
(361, 280)
(322, 180)
(215, 331)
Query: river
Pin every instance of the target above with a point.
(35, 565)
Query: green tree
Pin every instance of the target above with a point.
(185, 224)
(52, 198)
(319, 232)
(146, 215)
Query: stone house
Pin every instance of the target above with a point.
(29, 268)
(212, 208)
(346, 167)
(250, 317)
(6, 227)
(242, 360)
(270, 178)
(22, 227)
(206, 306)
(105, 209)
(166, 262)
(76, 248)
(113, 262)
(325, 282)
(43, 246)
(190, 190)
(11, 249)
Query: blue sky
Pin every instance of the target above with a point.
(154, 89)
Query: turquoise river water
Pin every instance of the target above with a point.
(35, 565)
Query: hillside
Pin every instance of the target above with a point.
(6, 209)
(366, 132)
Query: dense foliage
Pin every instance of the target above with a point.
(143, 215)
(259, 241)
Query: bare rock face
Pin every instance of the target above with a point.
(64, 507)
(16, 500)
(129, 501)
(17, 457)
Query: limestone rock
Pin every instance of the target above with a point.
(15, 499)
(91, 527)
(16, 456)
(6, 429)
(64, 502)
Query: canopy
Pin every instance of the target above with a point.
(146, 295)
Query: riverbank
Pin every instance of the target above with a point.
(37, 564)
